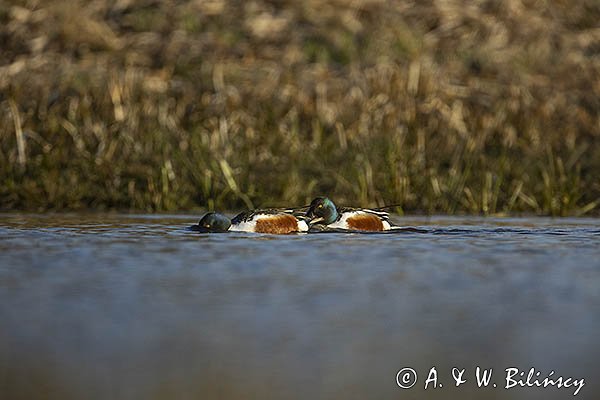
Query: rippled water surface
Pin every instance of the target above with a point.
(137, 307)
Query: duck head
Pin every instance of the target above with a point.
(322, 211)
(213, 222)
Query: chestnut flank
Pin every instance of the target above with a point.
(279, 224)
(365, 222)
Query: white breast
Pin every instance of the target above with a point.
(302, 226)
(247, 226)
(342, 223)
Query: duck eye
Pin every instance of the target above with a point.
(207, 225)
(320, 206)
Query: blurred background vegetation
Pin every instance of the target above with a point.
(441, 106)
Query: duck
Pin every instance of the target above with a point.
(323, 212)
(272, 220)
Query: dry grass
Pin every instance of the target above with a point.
(441, 106)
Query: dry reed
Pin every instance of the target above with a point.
(441, 106)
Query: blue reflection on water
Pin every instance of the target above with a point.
(109, 306)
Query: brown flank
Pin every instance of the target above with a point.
(282, 223)
(365, 222)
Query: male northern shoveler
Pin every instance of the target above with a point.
(324, 212)
(278, 221)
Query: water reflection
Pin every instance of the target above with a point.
(109, 306)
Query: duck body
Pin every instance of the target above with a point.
(277, 221)
(361, 219)
(324, 212)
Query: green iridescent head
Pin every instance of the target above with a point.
(213, 222)
(322, 211)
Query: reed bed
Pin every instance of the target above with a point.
(440, 106)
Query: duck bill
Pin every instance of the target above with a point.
(316, 220)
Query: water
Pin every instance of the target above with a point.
(137, 307)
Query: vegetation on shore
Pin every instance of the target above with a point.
(162, 105)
